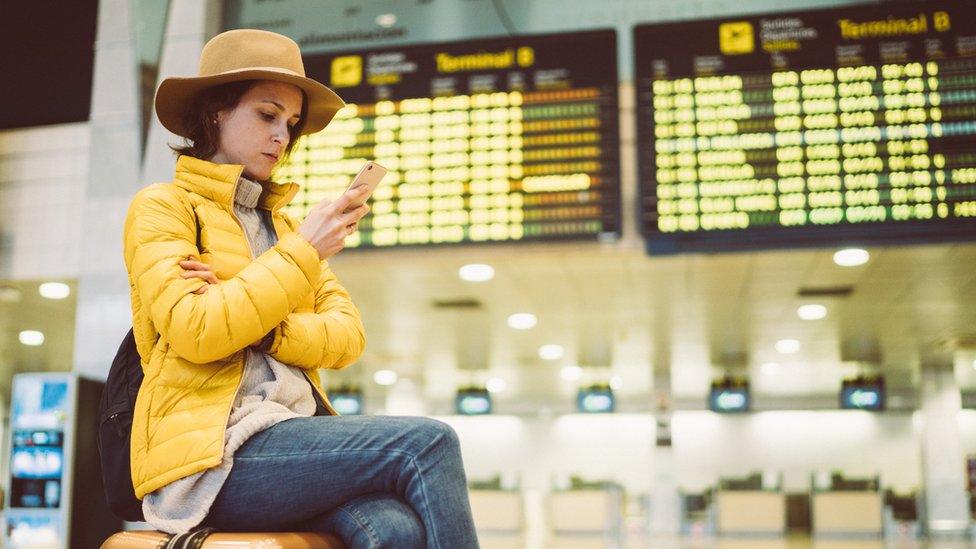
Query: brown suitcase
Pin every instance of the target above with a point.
(151, 539)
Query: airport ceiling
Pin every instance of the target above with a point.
(618, 312)
(621, 313)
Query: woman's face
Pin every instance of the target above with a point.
(255, 132)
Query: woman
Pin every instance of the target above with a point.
(235, 310)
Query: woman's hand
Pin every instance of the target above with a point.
(328, 223)
(196, 269)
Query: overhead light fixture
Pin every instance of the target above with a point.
(851, 257)
(386, 20)
(522, 321)
(476, 272)
(571, 373)
(812, 312)
(32, 338)
(496, 385)
(54, 290)
(787, 346)
(385, 377)
(551, 352)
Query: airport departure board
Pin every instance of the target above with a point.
(495, 140)
(840, 126)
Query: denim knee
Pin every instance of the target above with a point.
(435, 431)
(383, 522)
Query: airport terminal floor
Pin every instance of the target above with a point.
(678, 274)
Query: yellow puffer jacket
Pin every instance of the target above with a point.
(192, 346)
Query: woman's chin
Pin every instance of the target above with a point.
(257, 175)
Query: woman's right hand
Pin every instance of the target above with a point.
(328, 223)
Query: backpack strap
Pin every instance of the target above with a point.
(191, 540)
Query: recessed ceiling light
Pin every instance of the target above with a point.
(476, 272)
(9, 294)
(522, 321)
(571, 373)
(787, 346)
(386, 20)
(32, 338)
(812, 312)
(495, 385)
(385, 377)
(851, 257)
(54, 290)
(551, 352)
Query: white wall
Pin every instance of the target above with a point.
(43, 177)
(706, 446)
(967, 431)
(709, 445)
(617, 447)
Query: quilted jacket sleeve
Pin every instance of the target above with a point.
(160, 231)
(330, 337)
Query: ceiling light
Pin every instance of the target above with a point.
(476, 272)
(385, 377)
(495, 385)
(851, 257)
(386, 20)
(787, 346)
(571, 373)
(551, 352)
(522, 321)
(9, 294)
(812, 312)
(31, 337)
(54, 290)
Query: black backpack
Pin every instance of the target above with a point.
(115, 430)
(115, 424)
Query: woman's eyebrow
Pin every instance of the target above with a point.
(280, 106)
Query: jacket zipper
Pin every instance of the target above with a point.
(250, 249)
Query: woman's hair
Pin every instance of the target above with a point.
(203, 134)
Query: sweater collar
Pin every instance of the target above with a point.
(218, 182)
(248, 193)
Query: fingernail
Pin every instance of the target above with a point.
(363, 189)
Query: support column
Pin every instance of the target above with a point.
(116, 172)
(943, 466)
(103, 313)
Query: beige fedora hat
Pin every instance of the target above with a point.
(246, 54)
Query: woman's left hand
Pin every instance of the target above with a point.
(196, 269)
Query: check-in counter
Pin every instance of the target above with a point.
(751, 512)
(840, 513)
(595, 510)
(754, 506)
(847, 507)
(497, 511)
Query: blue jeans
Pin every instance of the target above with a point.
(376, 481)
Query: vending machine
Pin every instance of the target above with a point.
(54, 489)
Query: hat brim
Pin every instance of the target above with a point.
(175, 94)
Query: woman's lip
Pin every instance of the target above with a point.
(271, 156)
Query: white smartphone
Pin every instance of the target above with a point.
(370, 175)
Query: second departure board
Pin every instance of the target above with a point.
(509, 139)
(841, 126)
